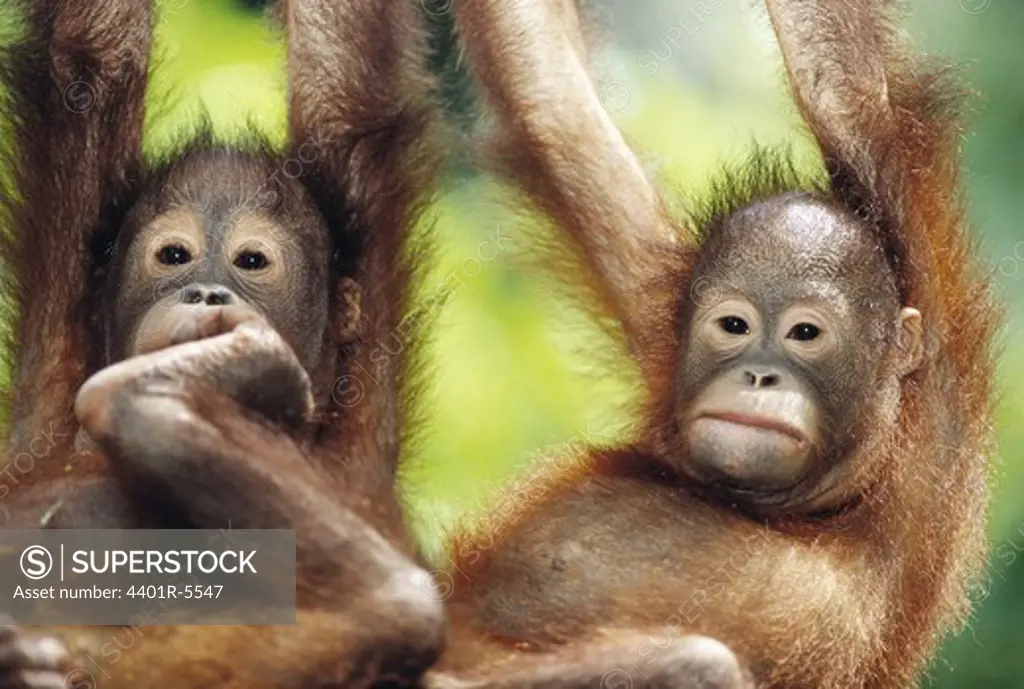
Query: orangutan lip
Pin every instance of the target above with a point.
(756, 422)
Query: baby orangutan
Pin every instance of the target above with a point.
(204, 315)
(802, 506)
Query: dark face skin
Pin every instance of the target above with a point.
(795, 337)
(211, 244)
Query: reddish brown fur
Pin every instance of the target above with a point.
(359, 101)
(857, 595)
(47, 242)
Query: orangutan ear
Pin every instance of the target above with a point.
(346, 321)
(910, 342)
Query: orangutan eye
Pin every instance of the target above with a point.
(804, 332)
(734, 325)
(173, 255)
(251, 260)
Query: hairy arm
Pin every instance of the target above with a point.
(177, 431)
(360, 109)
(74, 86)
(889, 127)
(560, 146)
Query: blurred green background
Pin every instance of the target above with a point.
(693, 83)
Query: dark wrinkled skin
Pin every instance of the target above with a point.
(792, 249)
(279, 222)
